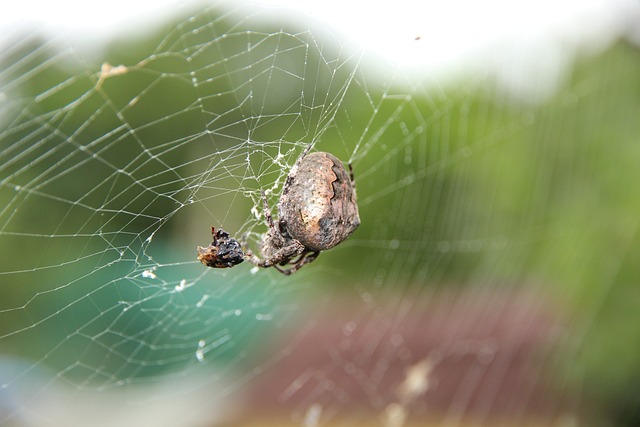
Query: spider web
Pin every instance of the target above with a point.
(489, 275)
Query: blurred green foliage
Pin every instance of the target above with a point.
(464, 187)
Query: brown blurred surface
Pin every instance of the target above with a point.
(480, 357)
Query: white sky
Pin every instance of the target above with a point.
(515, 39)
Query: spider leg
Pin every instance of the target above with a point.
(266, 211)
(280, 257)
(282, 270)
(254, 259)
(294, 261)
(351, 176)
(305, 152)
(305, 258)
(272, 233)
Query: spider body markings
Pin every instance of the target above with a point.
(317, 210)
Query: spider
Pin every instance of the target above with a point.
(317, 210)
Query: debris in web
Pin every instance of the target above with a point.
(223, 252)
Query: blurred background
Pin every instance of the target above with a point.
(494, 278)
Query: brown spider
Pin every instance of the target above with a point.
(317, 210)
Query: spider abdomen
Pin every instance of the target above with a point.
(318, 205)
